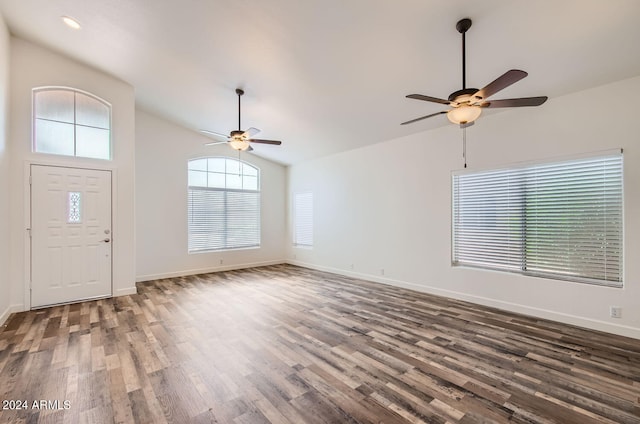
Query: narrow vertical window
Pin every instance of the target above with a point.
(74, 207)
(303, 219)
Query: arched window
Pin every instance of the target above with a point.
(70, 122)
(224, 204)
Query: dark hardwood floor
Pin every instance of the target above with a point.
(283, 344)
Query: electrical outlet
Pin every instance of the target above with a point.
(351, 266)
(615, 312)
(221, 261)
(382, 271)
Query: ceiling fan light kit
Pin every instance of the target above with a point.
(240, 140)
(464, 114)
(239, 144)
(467, 103)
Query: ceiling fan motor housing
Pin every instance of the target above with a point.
(467, 103)
(463, 25)
(239, 139)
(465, 92)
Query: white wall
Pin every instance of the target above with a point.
(33, 66)
(162, 152)
(388, 206)
(4, 174)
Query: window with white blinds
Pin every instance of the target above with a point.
(558, 220)
(303, 219)
(223, 204)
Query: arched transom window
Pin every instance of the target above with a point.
(70, 122)
(223, 204)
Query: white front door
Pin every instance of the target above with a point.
(70, 234)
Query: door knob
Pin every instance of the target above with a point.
(107, 240)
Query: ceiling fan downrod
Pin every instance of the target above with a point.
(463, 26)
(239, 92)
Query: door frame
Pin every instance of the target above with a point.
(27, 214)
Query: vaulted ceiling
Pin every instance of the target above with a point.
(331, 75)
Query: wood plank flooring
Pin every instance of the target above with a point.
(283, 344)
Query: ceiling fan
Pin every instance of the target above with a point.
(239, 139)
(467, 104)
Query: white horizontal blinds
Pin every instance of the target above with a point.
(223, 219)
(574, 219)
(303, 219)
(207, 218)
(223, 205)
(488, 219)
(243, 219)
(560, 220)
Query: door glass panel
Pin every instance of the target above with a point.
(74, 205)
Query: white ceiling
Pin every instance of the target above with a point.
(331, 75)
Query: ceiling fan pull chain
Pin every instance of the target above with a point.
(464, 146)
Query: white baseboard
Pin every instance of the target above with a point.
(207, 270)
(621, 330)
(125, 291)
(10, 310)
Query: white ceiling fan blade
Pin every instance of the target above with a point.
(250, 132)
(215, 134)
(215, 142)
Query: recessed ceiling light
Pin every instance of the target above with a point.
(71, 23)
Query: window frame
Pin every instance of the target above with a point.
(34, 144)
(226, 192)
(296, 242)
(525, 167)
